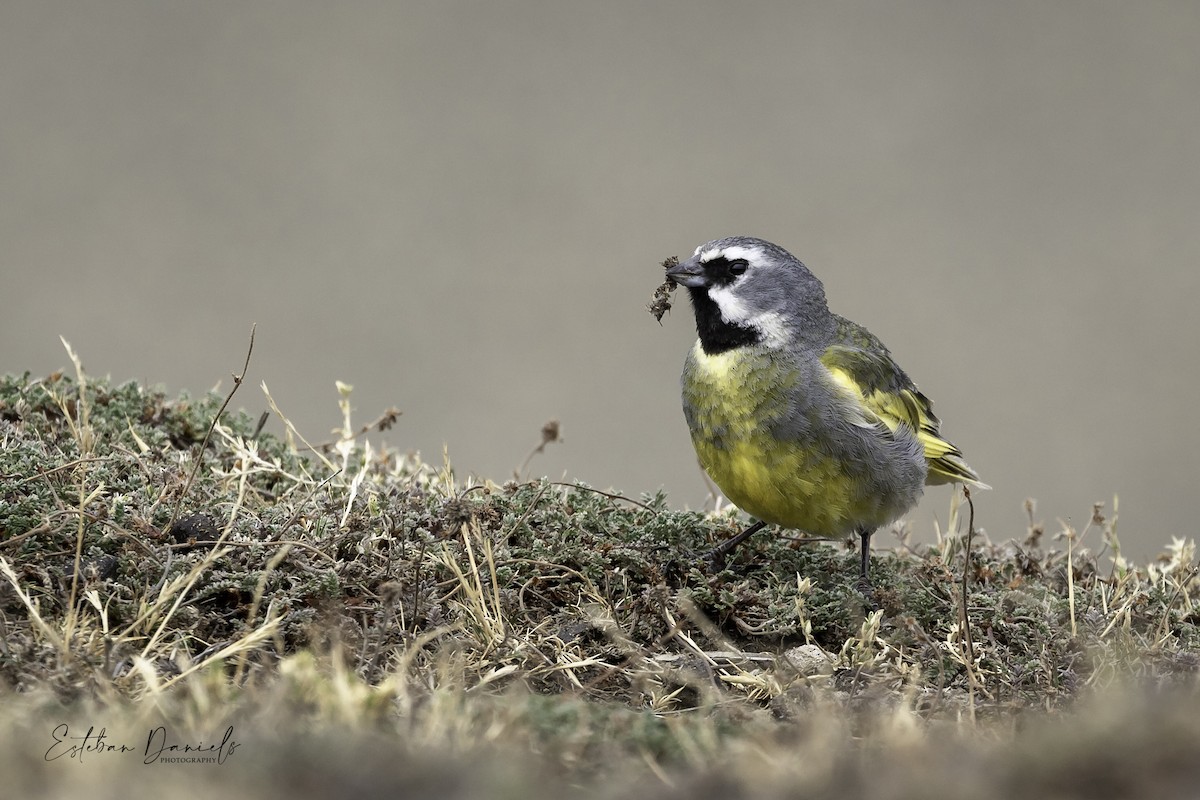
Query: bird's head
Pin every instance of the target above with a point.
(749, 291)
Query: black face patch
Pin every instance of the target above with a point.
(716, 334)
(722, 271)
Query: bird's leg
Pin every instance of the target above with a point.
(864, 570)
(718, 553)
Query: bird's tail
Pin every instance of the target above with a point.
(946, 464)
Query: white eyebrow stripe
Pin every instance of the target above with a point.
(732, 252)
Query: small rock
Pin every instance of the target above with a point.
(809, 659)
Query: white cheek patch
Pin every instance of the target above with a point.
(770, 324)
(732, 307)
(775, 332)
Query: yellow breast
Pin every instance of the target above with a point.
(732, 400)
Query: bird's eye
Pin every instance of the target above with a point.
(738, 266)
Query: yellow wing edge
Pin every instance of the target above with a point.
(912, 409)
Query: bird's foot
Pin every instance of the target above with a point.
(715, 559)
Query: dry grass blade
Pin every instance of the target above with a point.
(237, 383)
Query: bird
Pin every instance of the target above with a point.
(801, 417)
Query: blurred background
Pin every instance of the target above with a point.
(460, 208)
